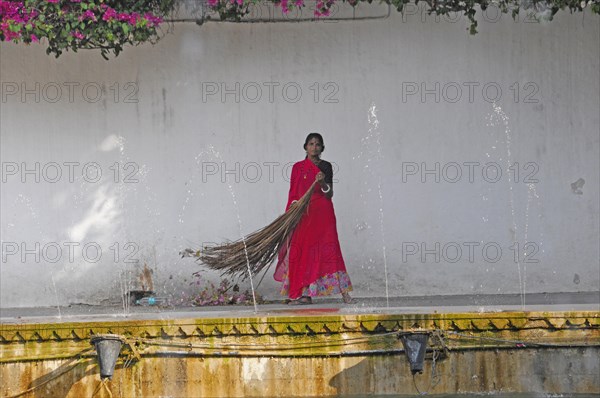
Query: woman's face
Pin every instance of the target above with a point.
(314, 147)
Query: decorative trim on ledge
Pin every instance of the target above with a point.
(503, 323)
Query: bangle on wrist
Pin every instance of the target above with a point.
(326, 190)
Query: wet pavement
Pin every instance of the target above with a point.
(583, 301)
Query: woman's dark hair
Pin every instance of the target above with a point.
(317, 136)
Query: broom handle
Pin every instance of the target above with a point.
(308, 192)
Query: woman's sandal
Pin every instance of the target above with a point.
(304, 300)
(347, 299)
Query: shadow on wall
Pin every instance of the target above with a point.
(74, 378)
(383, 375)
(357, 379)
(60, 381)
(375, 375)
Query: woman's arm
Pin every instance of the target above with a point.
(293, 195)
(326, 188)
(327, 181)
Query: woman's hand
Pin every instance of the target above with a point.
(320, 177)
(325, 188)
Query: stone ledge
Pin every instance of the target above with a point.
(509, 323)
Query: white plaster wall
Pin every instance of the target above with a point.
(167, 133)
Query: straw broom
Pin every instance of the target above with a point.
(258, 249)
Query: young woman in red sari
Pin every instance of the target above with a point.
(311, 264)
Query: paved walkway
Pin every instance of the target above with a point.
(589, 301)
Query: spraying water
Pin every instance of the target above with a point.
(34, 214)
(212, 152)
(375, 123)
(501, 116)
(125, 276)
(372, 143)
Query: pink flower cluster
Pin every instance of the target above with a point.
(284, 4)
(15, 18)
(322, 7)
(109, 13)
(152, 19)
(132, 19)
(13, 13)
(88, 14)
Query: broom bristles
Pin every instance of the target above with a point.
(259, 248)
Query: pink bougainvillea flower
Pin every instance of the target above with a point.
(299, 3)
(109, 15)
(284, 6)
(213, 3)
(322, 9)
(133, 18)
(8, 34)
(152, 19)
(19, 19)
(89, 14)
(10, 9)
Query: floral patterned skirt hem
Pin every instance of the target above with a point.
(336, 283)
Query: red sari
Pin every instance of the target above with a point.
(311, 264)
